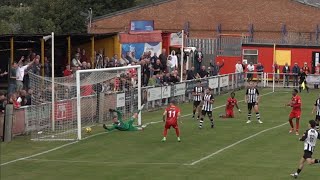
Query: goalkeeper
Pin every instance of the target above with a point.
(120, 125)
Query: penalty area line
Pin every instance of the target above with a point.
(234, 144)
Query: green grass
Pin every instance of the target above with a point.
(272, 155)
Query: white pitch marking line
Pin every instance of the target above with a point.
(102, 162)
(234, 144)
(62, 146)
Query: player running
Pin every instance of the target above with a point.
(170, 117)
(316, 108)
(296, 111)
(252, 99)
(231, 102)
(120, 125)
(310, 140)
(207, 108)
(197, 97)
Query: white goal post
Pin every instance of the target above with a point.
(102, 72)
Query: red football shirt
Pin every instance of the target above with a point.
(172, 114)
(231, 102)
(296, 103)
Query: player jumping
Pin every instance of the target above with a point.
(120, 125)
(252, 99)
(310, 139)
(296, 111)
(231, 102)
(197, 97)
(316, 108)
(170, 117)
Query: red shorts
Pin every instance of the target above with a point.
(295, 114)
(229, 113)
(169, 125)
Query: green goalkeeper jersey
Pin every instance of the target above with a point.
(121, 125)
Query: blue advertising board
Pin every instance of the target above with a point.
(139, 25)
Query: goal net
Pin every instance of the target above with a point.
(64, 110)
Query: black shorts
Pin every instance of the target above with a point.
(317, 117)
(251, 106)
(196, 103)
(307, 154)
(203, 112)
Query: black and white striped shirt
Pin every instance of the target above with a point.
(198, 91)
(252, 95)
(310, 139)
(207, 105)
(317, 105)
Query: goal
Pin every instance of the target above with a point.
(63, 109)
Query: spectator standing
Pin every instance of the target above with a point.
(163, 59)
(305, 68)
(83, 57)
(128, 57)
(99, 60)
(295, 72)
(215, 68)
(191, 74)
(88, 65)
(47, 67)
(3, 101)
(157, 67)
(174, 61)
(198, 56)
(115, 60)
(203, 73)
(317, 73)
(152, 81)
(84, 65)
(260, 70)
(153, 59)
(36, 66)
(286, 71)
(75, 63)
(276, 71)
(250, 70)
(12, 78)
(20, 73)
(239, 70)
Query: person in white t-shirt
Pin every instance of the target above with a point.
(20, 73)
(239, 70)
(173, 61)
(250, 68)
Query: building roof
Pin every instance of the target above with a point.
(145, 5)
(314, 3)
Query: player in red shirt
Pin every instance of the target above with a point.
(171, 116)
(231, 102)
(296, 110)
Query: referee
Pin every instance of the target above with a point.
(197, 97)
(207, 107)
(252, 99)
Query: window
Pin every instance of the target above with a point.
(250, 55)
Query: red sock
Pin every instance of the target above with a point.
(177, 132)
(297, 124)
(291, 124)
(165, 132)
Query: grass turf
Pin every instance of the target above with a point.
(273, 154)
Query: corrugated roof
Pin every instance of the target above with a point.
(314, 3)
(142, 6)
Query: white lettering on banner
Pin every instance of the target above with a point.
(121, 100)
(224, 81)
(166, 91)
(313, 79)
(154, 94)
(62, 111)
(179, 89)
(213, 83)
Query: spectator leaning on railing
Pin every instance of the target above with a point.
(203, 73)
(215, 68)
(191, 74)
(250, 71)
(260, 70)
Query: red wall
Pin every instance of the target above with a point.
(265, 56)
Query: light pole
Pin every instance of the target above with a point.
(52, 76)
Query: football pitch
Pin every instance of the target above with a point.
(232, 150)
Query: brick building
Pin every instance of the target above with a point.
(265, 19)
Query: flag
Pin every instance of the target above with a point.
(303, 85)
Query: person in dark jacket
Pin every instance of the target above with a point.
(296, 72)
(215, 68)
(191, 74)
